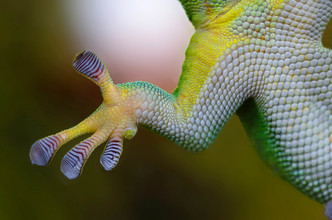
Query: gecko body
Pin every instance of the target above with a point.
(261, 59)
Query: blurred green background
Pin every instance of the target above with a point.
(41, 94)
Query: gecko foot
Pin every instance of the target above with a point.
(112, 121)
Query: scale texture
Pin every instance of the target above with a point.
(261, 59)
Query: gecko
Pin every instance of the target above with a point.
(260, 59)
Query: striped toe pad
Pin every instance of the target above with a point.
(112, 153)
(73, 162)
(89, 64)
(43, 150)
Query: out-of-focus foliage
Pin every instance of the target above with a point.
(41, 94)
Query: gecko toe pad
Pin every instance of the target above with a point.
(112, 153)
(43, 150)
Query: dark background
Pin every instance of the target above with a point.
(41, 94)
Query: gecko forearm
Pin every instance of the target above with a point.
(164, 114)
(159, 111)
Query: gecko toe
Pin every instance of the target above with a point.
(73, 162)
(112, 153)
(71, 165)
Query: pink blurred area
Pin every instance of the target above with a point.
(138, 40)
